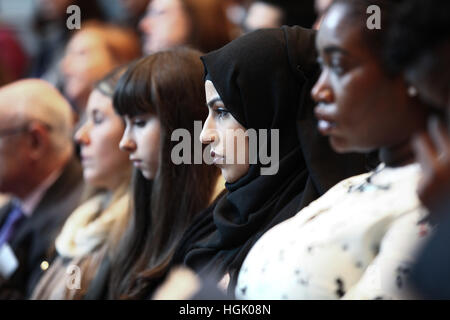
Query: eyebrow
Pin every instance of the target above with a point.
(211, 103)
(334, 49)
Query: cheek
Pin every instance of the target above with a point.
(148, 144)
(178, 29)
(357, 98)
(155, 143)
(106, 143)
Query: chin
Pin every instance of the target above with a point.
(228, 178)
(339, 145)
(148, 175)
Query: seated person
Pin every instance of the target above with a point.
(39, 170)
(92, 52)
(92, 231)
(159, 96)
(200, 24)
(359, 240)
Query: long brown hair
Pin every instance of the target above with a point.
(170, 85)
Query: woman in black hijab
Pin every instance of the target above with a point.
(261, 81)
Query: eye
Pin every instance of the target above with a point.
(221, 113)
(97, 117)
(337, 66)
(138, 122)
(320, 61)
(337, 70)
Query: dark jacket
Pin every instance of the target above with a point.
(33, 240)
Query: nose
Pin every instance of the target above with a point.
(209, 133)
(82, 135)
(322, 92)
(126, 143)
(65, 65)
(145, 24)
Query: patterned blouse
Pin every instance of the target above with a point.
(356, 242)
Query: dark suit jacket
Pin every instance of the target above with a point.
(33, 241)
(431, 274)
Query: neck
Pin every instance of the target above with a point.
(398, 155)
(37, 176)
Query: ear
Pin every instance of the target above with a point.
(39, 141)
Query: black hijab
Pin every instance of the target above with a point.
(264, 79)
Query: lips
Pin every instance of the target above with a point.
(136, 162)
(85, 160)
(217, 158)
(325, 115)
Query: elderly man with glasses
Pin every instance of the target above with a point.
(39, 170)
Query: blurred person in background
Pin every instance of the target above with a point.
(13, 59)
(419, 46)
(95, 227)
(135, 11)
(52, 34)
(201, 24)
(273, 14)
(39, 170)
(92, 53)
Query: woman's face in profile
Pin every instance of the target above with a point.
(359, 107)
(87, 60)
(229, 144)
(141, 140)
(104, 164)
(165, 25)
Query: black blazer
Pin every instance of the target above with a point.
(431, 273)
(33, 241)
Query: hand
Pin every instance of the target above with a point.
(433, 153)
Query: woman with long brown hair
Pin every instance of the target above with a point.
(157, 95)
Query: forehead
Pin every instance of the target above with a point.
(9, 119)
(86, 39)
(11, 114)
(99, 101)
(210, 91)
(163, 4)
(337, 30)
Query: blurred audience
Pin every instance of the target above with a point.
(92, 231)
(40, 172)
(13, 59)
(52, 34)
(201, 24)
(135, 10)
(275, 13)
(91, 53)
